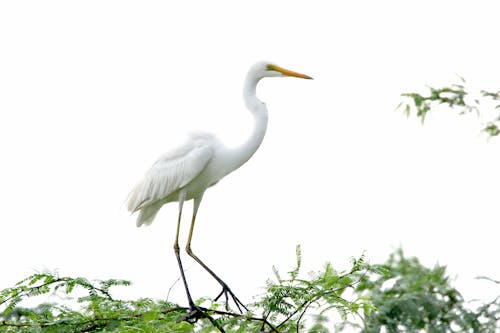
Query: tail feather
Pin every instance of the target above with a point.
(147, 214)
(134, 198)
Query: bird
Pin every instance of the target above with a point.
(186, 172)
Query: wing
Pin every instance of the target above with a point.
(172, 171)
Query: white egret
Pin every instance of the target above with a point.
(199, 163)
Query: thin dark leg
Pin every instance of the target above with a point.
(177, 254)
(225, 288)
(195, 311)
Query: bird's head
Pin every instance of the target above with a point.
(267, 69)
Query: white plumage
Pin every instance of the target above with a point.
(170, 173)
(200, 162)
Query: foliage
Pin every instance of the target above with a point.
(287, 300)
(400, 295)
(100, 312)
(455, 96)
(285, 306)
(412, 298)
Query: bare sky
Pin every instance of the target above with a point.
(91, 93)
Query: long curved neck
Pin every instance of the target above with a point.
(242, 154)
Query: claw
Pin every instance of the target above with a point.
(225, 291)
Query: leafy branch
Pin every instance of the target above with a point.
(288, 300)
(455, 96)
(284, 305)
(412, 298)
(400, 295)
(41, 283)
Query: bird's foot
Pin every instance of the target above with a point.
(198, 312)
(195, 313)
(228, 293)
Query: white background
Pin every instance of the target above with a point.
(91, 93)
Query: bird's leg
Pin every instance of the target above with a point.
(195, 312)
(225, 288)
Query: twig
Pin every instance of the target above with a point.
(487, 278)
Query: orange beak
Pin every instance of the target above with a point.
(288, 72)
